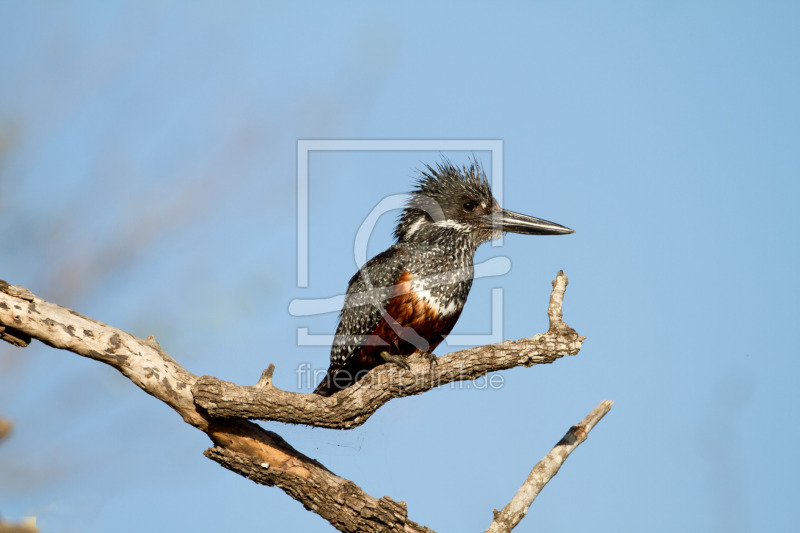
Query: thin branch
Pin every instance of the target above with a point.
(354, 405)
(508, 518)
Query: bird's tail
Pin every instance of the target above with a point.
(328, 386)
(325, 386)
(337, 379)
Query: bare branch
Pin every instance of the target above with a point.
(240, 445)
(508, 518)
(7, 333)
(354, 405)
(339, 501)
(246, 448)
(140, 360)
(554, 312)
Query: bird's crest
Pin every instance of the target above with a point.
(440, 196)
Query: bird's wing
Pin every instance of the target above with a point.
(368, 292)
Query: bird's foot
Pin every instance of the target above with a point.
(396, 359)
(432, 359)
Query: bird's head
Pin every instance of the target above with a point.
(449, 199)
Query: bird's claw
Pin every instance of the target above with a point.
(432, 359)
(396, 359)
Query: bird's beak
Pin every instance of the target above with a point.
(518, 223)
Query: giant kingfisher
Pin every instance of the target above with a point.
(407, 299)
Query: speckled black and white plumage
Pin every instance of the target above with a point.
(408, 298)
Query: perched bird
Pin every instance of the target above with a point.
(407, 299)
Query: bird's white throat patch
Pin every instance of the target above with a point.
(438, 306)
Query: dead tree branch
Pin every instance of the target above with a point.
(29, 525)
(353, 406)
(507, 519)
(242, 446)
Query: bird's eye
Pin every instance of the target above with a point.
(469, 206)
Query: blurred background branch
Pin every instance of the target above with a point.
(5, 428)
(27, 525)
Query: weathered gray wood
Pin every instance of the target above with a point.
(507, 519)
(219, 408)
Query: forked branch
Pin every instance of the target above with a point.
(219, 409)
(354, 405)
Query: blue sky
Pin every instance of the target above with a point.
(148, 179)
